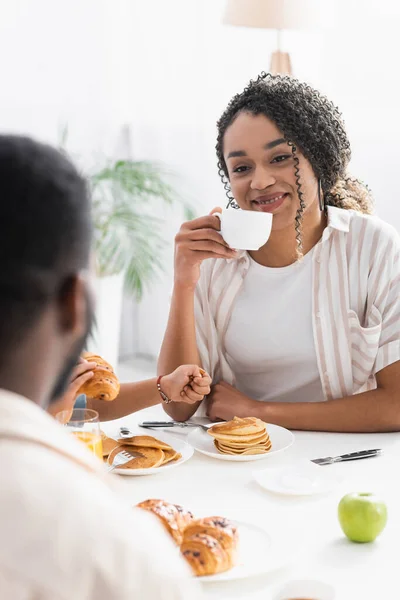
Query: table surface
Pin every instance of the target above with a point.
(308, 525)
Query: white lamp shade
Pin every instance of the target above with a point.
(275, 14)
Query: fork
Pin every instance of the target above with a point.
(120, 459)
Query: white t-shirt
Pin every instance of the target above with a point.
(269, 341)
(66, 533)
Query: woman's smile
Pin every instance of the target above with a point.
(269, 202)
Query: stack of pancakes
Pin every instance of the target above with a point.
(147, 452)
(241, 436)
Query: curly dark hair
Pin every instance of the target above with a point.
(309, 122)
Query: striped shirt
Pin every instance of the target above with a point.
(356, 304)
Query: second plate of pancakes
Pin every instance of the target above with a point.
(279, 439)
(183, 451)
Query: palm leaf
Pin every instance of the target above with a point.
(127, 236)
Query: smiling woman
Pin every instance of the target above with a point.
(305, 331)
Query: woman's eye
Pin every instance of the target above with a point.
(241, 169)
(281, 158)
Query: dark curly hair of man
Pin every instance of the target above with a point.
(309, 122)
(45, 233)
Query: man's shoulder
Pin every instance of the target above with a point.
(66, 526)
(79, 522)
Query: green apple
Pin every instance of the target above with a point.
(362, 516)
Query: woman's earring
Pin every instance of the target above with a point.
(321, 198)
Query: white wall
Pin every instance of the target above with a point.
(52, 69)
(167, 69)
(68, 63)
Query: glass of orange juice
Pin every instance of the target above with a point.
(84, 424)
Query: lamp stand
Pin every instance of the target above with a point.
(280, 61)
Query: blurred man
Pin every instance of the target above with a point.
(65, 532)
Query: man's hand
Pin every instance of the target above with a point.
(187, 383)
(226, 402)
(81, 373)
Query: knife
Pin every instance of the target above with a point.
(150, 424)
(125, 432)
(330, 460)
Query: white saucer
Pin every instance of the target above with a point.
(302, 479)
(309, 588)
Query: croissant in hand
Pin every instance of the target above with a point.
(104, 384)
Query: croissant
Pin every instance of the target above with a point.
(205, 554)
(174, 518)
(220, 529)
(104, 383)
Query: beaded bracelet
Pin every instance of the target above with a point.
(164, 397)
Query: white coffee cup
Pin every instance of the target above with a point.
(245, 229)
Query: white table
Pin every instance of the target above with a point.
(208, 486)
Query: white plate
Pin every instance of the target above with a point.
(281, 439)
(258, 552)
(301, 479)
(176, 443)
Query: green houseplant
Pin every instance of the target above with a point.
(127, 198)
(128, 237)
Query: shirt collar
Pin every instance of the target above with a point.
(22, 418)
(339, 218)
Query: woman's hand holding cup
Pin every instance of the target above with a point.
(196, 241)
